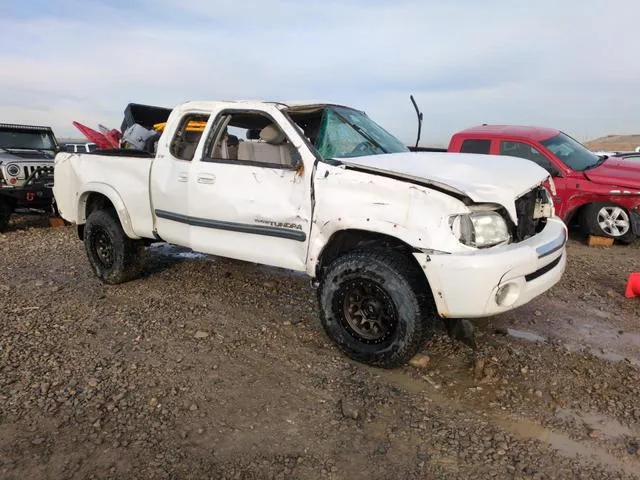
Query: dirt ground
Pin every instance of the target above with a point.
(211, 368)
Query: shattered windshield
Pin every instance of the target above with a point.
(348, 133)
(26, 139)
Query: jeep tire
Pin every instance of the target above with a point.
(114, 257)
(5, 213)
(376, 307)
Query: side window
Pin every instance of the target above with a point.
(82, 149)
(250, 138)
(92, 147)
(185, 141)
(476, 146)
(522, 150)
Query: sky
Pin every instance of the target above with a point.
(568, 64)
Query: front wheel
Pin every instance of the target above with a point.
(114, 257)
(608, 220)
(375, 306)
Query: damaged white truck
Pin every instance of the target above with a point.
(393, 239)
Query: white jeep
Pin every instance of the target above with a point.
(394, 239)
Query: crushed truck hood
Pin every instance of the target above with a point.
(482, 178)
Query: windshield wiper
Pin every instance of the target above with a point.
(601, 160)
(31, 149)
(368, 137)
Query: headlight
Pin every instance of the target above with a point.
(13, 169)
(480, 229)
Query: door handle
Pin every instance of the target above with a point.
(207, 179)
(183, 177)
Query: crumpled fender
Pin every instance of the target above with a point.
(113, 196)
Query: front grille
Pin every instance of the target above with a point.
(37, 172)
(525, 208)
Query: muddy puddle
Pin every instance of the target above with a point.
(604, 427)
(598, 424)
(602, 334)
(175, 251)
(567, 446)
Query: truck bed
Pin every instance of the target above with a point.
(77, 174)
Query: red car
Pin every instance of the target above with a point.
(601, 193)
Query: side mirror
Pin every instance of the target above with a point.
(296, 160)
(553, 171)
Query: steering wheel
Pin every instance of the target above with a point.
(363, 147)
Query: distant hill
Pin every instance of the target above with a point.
(625, 143)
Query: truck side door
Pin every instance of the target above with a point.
(170, 172)
(250, 189)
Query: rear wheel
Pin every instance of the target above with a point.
(5, 213)
(608, 220)
(114, 257)
(376, 307)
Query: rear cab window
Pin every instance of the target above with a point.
(187, 136)
(473, 145)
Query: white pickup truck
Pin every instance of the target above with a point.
(393, 239)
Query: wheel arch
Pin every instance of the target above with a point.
(352, 239)
(582, 213)
(576, 213)
(101, 196)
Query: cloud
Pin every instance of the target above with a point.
(566, 64)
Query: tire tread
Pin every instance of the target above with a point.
(133, 251)
(406, 271)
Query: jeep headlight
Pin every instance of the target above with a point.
(480, 229)
(13, 170)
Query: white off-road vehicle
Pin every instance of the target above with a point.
(26, 169)
(394, 239)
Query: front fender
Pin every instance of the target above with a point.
(115, 199)
(322, 234)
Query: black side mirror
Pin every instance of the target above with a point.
(555, 172)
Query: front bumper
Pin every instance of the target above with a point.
(32, 196)
(491, 281)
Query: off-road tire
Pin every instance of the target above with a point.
(405, 291)
(5, 213)
(127, 255)
(592, 227)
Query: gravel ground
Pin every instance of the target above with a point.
(212, 368)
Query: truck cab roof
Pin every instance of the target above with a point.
(514, 131)
(297, 105)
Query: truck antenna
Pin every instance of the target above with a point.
(419, 113)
